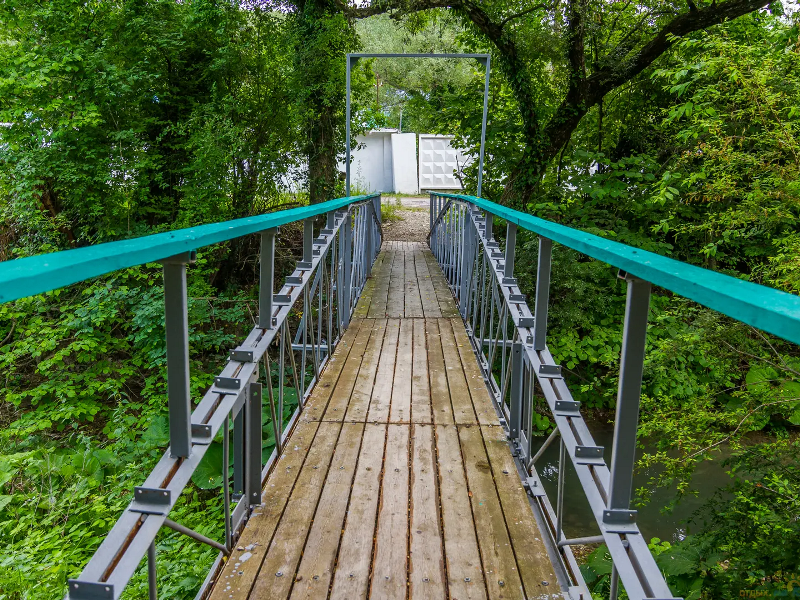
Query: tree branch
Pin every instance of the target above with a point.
(527, 11)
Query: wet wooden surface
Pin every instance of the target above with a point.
(397, 481)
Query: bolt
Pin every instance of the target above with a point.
(501, 583)
(278, 574)
(425, 579)
(545, 583)
(467, 579)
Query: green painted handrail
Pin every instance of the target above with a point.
(38, 274)
(762, 307)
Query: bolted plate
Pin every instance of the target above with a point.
(281, 299)
(242, 355)
(151, 501)
(617, 520)
(201, 434)
(294, 279)
(549, 371)
(568, 408)
(227, 383)
(526, 321)
(89, 590)
(589, 455)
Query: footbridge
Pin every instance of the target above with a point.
(408, 469)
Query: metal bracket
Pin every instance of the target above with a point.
(282, 299)
(526, 322)
(201, 434)
(89, 590)
(550, 371)
(228, 383)
(517, 298)
(509, 281)
(151, 501)
(616, 520)
(296, 279)
(242, 355)
(534, 486)
(568, 408)
(589, 455)
(322, 239)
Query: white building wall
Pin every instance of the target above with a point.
(404, 163)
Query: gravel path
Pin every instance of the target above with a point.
(412, 228)
(413, 223)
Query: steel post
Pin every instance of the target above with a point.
(253, 429)
(266, 279)
(542, 294)
(517, 383)
(486, 62)
(511, 243)
(350, 61)
(176, 315)
(238, 452)
(489, 226)
(634, 337)
(348, 269)
(152, 575)
(308, 242)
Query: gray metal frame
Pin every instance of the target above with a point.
(484, 59)
(510, 341)
(329, 278)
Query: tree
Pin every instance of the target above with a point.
(577, 51)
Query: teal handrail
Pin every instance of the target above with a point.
(762, 307)
(45, 272)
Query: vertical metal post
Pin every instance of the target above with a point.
(350, 61)
(152, 577)
(238, 452)
(308, 242)
(486, 62)
(176, 315)
(226, 488)
(267, 278)
(253, 427)
(562, 467)
(348, 268)
(489, 225)
(431, 216)
(634, 337)
(614, 588)
(517, 383)
(542, 293)
(466, 259)
(511, 243)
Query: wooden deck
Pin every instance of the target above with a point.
(397, 481)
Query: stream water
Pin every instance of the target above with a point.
(579, 521)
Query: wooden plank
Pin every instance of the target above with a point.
(430, 304)
(333, 388)
(532, 557)
(464, 570)
(499, 564)
(481, 400)
(389, 570)
(420, 386)
(413, 302)
(426, 568)
(443, 294)
(377, 307)
(371, 287)
(400, 410)
(354, 401)
(440, 392)
(395, 304)
(275, 578)
(321, 394)
(463, 413)
(237, 577)
(351, 579)
(382, 389)
(316, 567)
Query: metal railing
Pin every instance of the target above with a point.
(316, 301)
(510, 342)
